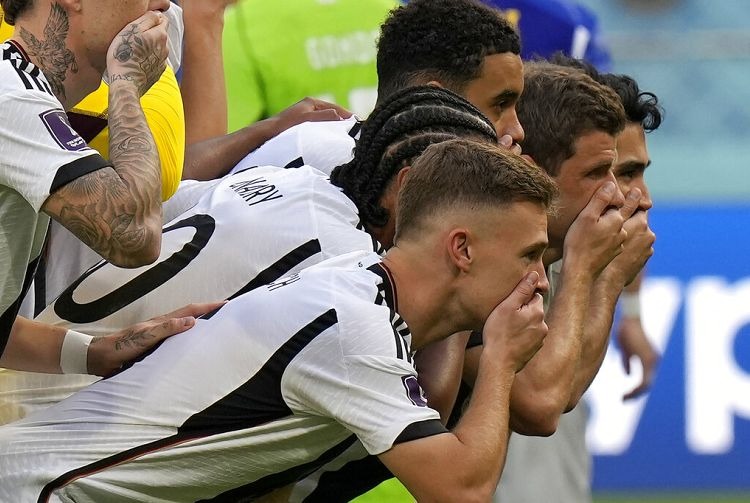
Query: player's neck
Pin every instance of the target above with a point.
(424, 296)
(45, 39)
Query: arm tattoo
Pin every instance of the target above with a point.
(117, 211)
(50, 53)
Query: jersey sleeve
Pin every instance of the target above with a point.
(245, 97)
(358, 379)
(39, 150)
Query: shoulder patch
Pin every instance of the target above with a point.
(59, 128)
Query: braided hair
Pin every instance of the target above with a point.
(396, 133)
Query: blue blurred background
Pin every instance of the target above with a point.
(693, 431)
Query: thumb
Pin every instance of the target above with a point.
(524, 290)
(632, 202)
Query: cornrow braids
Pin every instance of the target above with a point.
(396, 133)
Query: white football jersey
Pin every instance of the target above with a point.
(257, 395)
(322, 145)
(247, 230)
(39, 153)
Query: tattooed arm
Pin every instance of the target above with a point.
(117, 211)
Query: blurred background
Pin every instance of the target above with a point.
(691, 434)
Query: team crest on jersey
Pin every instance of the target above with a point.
(414, 391)
(59, 128)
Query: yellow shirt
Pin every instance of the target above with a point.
(162, 107)
(6, 30)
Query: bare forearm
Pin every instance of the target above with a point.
(205, 99)
(466, 463)
(214, 158)
(601, 313)
(542, 390)
(33, 347)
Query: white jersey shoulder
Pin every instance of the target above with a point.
(39, 153)
(268, 387)
(322, 145)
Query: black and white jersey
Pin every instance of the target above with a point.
(322, 145)
(248, 229)
(262, 392)
(39, 153)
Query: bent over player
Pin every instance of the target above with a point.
(283, 378)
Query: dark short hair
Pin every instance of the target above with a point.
(12, 9)
(640, 106)
(395, 133)
(442, 40)
(465, 174)
(559, 105)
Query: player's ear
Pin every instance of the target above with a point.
(401, 176)
(460, 250)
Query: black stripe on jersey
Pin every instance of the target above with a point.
(420, 429)
(352, 480)
(387, 288)
(9, 316)
(36, 76)
(259, 400)
(76, 169)
(356, 128)
(256, 402)
(296, 163)
(281, 267)
(29, 74)
(249, 492)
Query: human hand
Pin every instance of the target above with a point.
(109, 353)
(596, 236)
(515, 329)
(633, 342)
(638, 246)
(508, 143)
(307, 110)
(139, 52)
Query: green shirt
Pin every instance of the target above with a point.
(277, 52)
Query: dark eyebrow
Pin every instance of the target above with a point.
(633, 165)
(506, 95)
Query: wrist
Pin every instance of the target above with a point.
(74, 353)
(630, 305)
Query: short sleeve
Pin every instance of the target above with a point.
(39, 150)
(373, 394)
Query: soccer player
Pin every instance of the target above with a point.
(57, 56)
(559, 467)
(284, 377)
(257, 225)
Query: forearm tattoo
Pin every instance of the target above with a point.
(111, 209)
(50, 53)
